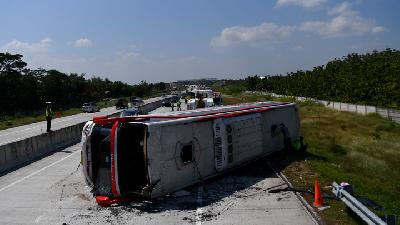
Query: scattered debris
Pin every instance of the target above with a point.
(322, 208)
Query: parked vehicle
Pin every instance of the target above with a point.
(131, 112)
(167, 102)
(175, 98)
(137, 102)
(152, 155)
(121, 104)
(90, 107)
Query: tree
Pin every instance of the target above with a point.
(373, 78)
(10, 63)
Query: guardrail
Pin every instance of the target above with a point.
(391, 114)
(363, 212)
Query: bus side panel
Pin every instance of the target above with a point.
(246, 138)
(177, 169)
(287, 116)
(205, 160)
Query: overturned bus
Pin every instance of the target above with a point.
(151, 155)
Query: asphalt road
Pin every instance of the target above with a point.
(52, 191)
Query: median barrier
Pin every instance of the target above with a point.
(21, 152)
(24, 151)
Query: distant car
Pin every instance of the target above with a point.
(131, 112)
(175, 99)
(121, 104)
(90, 107)
(137, 102)
(166, 103)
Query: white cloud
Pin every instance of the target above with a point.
(16, 46)
(379, 29)
(128, 55)
(345, 22)
(301, 3)
(266, 32)
(82, 42)
(340, 9)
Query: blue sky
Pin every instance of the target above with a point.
(180, 39)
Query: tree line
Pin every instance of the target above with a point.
(371, 78)
(24, 90)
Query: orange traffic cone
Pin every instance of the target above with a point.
(318, 201)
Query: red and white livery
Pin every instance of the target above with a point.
(151, 155)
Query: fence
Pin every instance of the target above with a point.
(390, 114)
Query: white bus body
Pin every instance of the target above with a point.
(151, 155)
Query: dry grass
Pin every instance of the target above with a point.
(19, 120)
(342, 146)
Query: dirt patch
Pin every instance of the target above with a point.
(84, 197)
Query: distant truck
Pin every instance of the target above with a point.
(200, 95)
(121, 104)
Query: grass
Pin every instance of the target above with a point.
(19, 120)
(343, 146)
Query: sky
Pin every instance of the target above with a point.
(168, 40)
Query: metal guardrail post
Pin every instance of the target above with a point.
(363, 212)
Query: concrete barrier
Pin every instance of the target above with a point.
(154, 103)
(27, 150)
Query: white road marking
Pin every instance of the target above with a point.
(38, 171)
(199, 210)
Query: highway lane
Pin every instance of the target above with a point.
(52, 191)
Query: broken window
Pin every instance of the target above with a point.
(187, 153)
(132, 174)
(101, 160)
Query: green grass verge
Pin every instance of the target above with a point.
(19, 120)
(343, 146)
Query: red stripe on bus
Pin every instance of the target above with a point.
(103, 120)
(239, 113)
